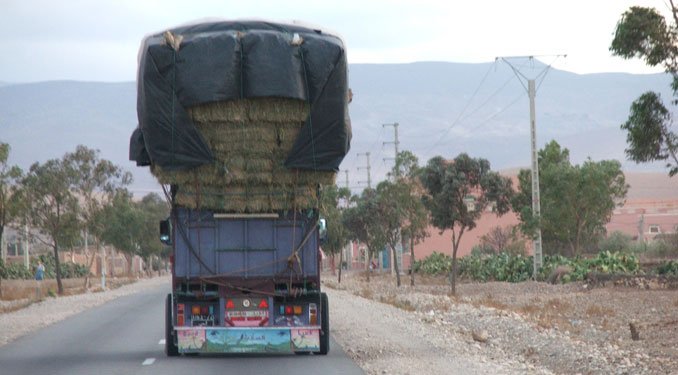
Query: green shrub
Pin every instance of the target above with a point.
(663, 247)
(617, 241)
(482, 249)
(516, 268)
(434, 264)
(16, 271)
(617, 262)
(497, 267)
(667, 268)
(473, 266)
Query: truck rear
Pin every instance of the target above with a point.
(243, 122)
(245, 283)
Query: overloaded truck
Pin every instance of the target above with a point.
(243, 123)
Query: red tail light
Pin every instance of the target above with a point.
(180, 314)
(313, 314)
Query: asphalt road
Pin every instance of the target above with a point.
(125, 336)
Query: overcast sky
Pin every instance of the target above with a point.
(98, 40)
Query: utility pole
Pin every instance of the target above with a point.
(395, 143)
(27, 262)
(536, 205)
(395, 257)
(349, 247)
(367, 167)
(641, 226)
(3, 248)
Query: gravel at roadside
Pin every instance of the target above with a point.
(422, 330)
(492, 328)
(384, 339)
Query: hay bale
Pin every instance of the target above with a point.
(250, 140)
(233, 110)
(277, 110)
(255, 109)
(248, 199)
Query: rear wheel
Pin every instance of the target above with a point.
(170, 347)
(324, 325)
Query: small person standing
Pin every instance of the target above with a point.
(40, 271)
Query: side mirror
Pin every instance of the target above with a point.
(322, 230)
(166, 232)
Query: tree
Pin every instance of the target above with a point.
(9, 179)
(576, 201)
(504, 239)
(96, 182)
(124, 224)
(403, 215)
(132, 227)
(51, 206)
(457, 194)
(644, 33)
(391, 217)
(360, 220)
(153, 209)
(337, 234)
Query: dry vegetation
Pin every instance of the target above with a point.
(17, 294)
(597, 315)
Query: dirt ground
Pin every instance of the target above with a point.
(594, 320)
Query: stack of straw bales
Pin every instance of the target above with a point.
(250, 139)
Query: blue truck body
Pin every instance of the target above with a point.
(246, 283)
(242, 247)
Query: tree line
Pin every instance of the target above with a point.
(78, 199)
(452, 195)
(577, 200)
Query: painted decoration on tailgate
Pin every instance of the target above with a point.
(306, 339)
(191, 340)
(248, 341)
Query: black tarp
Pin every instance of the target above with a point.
(230, 60)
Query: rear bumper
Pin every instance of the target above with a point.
(248, 340)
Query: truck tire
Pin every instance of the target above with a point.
(324, 325)
(170, 347)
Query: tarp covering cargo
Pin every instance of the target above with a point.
(212, 62)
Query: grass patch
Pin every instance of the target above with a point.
(595, 310)
(365, 293)
(18, 305)
(489, 301)
(392, 300)
(557, 305)
(530, 309)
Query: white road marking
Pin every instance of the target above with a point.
(148, 362)
(161, 342)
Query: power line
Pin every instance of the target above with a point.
(367, 167)
(536, 205)
(487, 120)
(468, 103)
(441, 138)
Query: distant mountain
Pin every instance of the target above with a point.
(442, 109)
